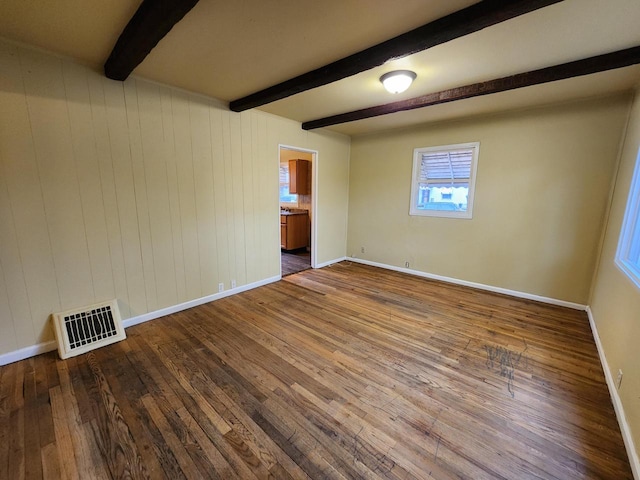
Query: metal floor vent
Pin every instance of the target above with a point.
(81, 330)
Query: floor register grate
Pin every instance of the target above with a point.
(82, 330)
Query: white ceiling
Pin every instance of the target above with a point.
(230, 49)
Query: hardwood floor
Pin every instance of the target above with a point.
(295, 261)
(343, 372)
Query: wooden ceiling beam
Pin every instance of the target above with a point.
(587, 66)
(151, 22)
(463, 22)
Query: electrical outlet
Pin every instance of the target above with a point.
(361, 249)
(406, 264)
(619, 378)
(221, 287)
(233, 284)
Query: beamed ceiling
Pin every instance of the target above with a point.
(229, 50)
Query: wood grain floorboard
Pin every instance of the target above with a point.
(294, 261)
(346, 372)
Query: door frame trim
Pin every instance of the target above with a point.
(314, 197)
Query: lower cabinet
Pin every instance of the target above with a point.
(294, 231)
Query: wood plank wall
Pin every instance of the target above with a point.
(129, 190)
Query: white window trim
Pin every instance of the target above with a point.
(630, 224)
(417, 158)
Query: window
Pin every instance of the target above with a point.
(443, 180)
(628, 254)
(285, 195)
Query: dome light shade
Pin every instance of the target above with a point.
(397, 81)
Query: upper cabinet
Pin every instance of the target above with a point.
(299, 177)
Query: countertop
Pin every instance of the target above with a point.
(294, 212)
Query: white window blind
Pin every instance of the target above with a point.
(285, 195)
(443, 180)
(284, 175)
(446, 168)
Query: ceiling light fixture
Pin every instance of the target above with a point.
(397, 81)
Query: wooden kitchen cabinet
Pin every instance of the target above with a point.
(299, 177)
(294, 231)
(283, 233)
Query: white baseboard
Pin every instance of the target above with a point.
(34, 350)
(617, 402)
(27, 352)
(145, 317)
(330, 262)
(481, 286)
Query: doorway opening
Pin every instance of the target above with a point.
(297, 167)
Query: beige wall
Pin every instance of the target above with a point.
(615, 303)
(542, 188)
(332, 186)
(137, 191)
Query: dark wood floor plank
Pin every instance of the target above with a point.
(162, 462)
(405, 346)
(126, 385)
(228, 437)
(70, 464)
(272, 341)
(17, 424)
(82, 401)
(249, 403)
(220, 467)
(52, 369)
(42, 408)
(33, 461)
(167, 378)
(369, 450)
(50, 462)
(101, 469)
(177, 446)
(312, 441)
(113, 436)
(237, 405)
(294, 261)
(68, 421)
(345, 372)
(235, 434)
(7, 378)
(226, 391)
